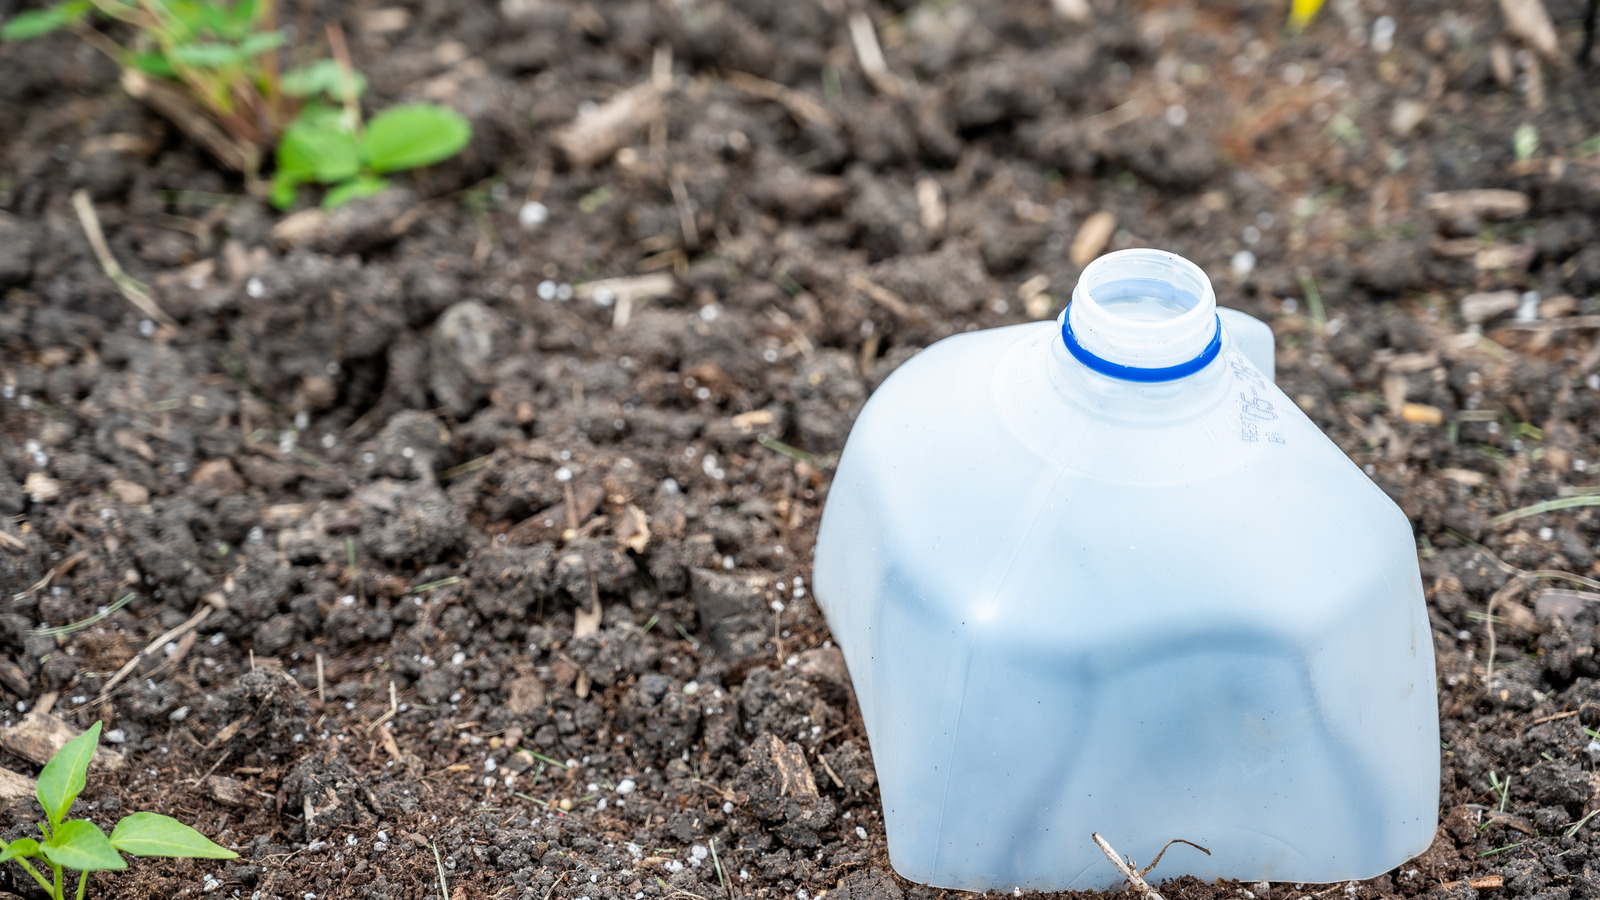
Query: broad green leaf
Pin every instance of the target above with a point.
(80, 844)
(152, 834)
(404, 137)
(318, 151)
(321, 77)
(207, 55)
(23, 847)
(354, 189)
(154, 62)
(35, 22)
(65, 774)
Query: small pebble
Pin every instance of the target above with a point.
(532, 215)
(1244, 262)
(1383, 34)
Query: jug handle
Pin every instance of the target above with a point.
(1253, 337)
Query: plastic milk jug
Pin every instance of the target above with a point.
(1101, 575)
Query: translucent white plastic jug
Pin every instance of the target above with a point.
(1102, 576)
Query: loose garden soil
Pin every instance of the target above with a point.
(399, 458)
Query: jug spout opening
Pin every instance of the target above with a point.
(1143, 315)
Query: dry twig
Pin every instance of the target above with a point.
(130, 287)
(886, 298)
(596, 134)
(801, 106)
(1136, 876)
(155, 645)
(1509, 591)
(865, 38)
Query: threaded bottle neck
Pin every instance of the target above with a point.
(1143, 315)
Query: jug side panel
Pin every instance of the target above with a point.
(923, 671)
(1375, 675)
(1223, 746)
(897, 432)
(1220, 746)
(904, 500)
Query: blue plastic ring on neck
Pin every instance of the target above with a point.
(1138, 373)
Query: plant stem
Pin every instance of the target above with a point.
(125, 12)
(32, 871)
(83, 882)
(105, 45)
(347, 80)
(58, 892)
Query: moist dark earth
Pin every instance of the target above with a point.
(399, 457)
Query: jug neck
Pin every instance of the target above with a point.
(1144, 316)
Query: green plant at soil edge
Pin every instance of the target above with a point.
(222, 54)
(221, 61)
(79, 844)
(330, 145)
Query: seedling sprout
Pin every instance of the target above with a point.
(79, 844)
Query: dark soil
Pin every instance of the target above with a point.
(399, 455)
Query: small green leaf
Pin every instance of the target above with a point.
(154, 62)
(321, 77)
(245, 12)
(354, 189)
(1525, 141)
(23, 847)
(65, 774)
(318, 150)
(257, 44)
(81, 845)
(188, 18)
(404, 137)
(31, 24)
(595, 199)
(35, 22)
(152, 834)
(207, 55)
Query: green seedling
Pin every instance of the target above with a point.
(1503, 788)
(79, 844)
(223, 54)
(330, 145)
(220, 63)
